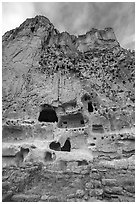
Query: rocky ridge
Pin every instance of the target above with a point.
(68, 106)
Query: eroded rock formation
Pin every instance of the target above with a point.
(68, 107)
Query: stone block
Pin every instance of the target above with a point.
(98, 191)
(96, 183)
(94, 170)
(84, 171)
(85, 197)
(115, 163)
(89, 185)
(53, 199)
(96, 176)
(70, 196)
(113, 190)
(129, 181)
(72, 166)
(106, 164)
(92, 193)
(109, 182)
(131, 166)
(80, 193)
(130, 189)
(25, 198)
(126, 198)
(44, 197)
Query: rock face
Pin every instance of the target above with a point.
(68, 104)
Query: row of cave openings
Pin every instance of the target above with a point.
(48, 114)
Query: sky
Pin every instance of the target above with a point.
(76, 17)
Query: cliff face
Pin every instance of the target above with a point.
(41, 65)
(68, 93)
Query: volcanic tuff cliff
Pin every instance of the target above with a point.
(68, 103)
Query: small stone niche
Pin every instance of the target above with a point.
(32, 29)
(47, 114)
(82, 163)
(49, 156)
(90, 107)
(85, 97)
(86, 100)
(20, 156)
(97, 128)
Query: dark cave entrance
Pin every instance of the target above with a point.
(67, 146)
(47, 114)
(90, 107)
(57, 147)
(32, 29)
(86, 100)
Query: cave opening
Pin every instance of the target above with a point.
(47, 114)
(71, 121)
(32, 29)
(83, 162)
(90, 107)
(86, 97)
(67, 146)
(20, 156)
(57, 146)
(82, 122)
(48, 156)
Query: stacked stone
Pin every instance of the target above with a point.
(79, 182)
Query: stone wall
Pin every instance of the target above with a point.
(70, 182)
